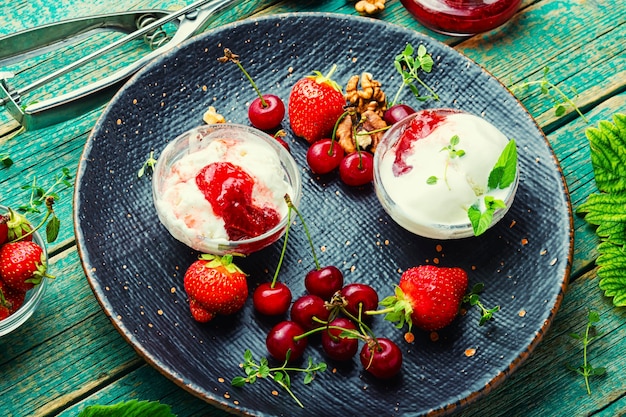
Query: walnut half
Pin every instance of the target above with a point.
(348, 134)
(369, 97)
(370, 6)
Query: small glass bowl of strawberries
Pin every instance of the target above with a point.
(19, 295)
(222, 188)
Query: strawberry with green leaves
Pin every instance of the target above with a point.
(22, 265)
(315, 104)
(427, 297)
(215, 285)
(14, 226)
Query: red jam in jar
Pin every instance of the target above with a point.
(462, 17)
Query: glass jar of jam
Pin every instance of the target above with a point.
(462, 17)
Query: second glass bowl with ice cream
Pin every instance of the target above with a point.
(221, 188)
(446, 173)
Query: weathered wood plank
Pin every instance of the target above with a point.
(65, 350)
(544, 383)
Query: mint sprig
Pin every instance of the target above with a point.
(607, 208)
(501, 176)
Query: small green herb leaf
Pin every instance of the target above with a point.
(5, 160)
(147, 165)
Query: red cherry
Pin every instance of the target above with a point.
(280, 340)
(305, 308)
(324, 156)
(272, 301)
(266, 117)
(324, 282)
(357, 168)
(336, 347)
(396, 113)
(381, 358)
(359, 294)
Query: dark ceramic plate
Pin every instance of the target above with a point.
(136, 268)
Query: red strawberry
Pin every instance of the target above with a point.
(10, 299)
(315, 104)
(427, 296)
(214, 286)
(4, 312)
(22, 265)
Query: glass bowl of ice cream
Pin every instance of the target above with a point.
(221, 188)
(445, 173)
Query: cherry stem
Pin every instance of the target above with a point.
(333, 137)
(358, 149)
(327, 326)
(306, 229)
(229, 56)
(282, 253)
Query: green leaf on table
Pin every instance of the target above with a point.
(608, 154)
(607, 208)
(132, 408)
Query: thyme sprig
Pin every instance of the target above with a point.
(589, 335)
(261, 369)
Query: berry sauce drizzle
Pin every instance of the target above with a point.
(228, 189)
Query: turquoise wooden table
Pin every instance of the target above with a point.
(68, 355)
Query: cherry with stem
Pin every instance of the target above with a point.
(323, 282)
(266, 112)
(274, 298)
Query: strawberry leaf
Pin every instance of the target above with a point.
(130, 408)
(607, 209)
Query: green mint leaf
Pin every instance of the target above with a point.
(480, 220)
(503, 173)
(130, 408)
(431, 180)
(607, 144)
